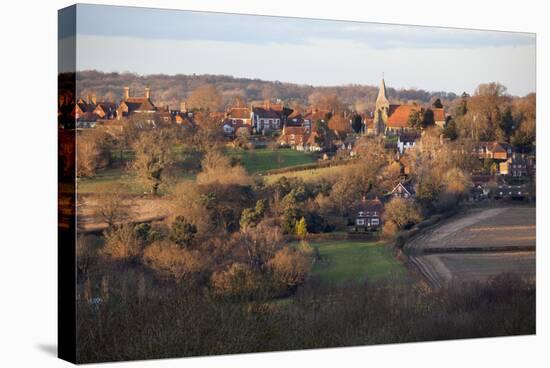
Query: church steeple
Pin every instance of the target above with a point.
(382, 100)
(382, 110)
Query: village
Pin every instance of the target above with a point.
(502, 172)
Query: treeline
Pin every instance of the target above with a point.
(492, 114)
(173, 89)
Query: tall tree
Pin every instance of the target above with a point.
(154, 158)
(205, 97)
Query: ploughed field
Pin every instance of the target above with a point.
(477, 246)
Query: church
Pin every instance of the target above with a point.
(391, 119)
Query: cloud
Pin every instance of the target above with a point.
(163, 24)
(320, 62)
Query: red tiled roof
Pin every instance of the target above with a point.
(240, 113)
(399, 115)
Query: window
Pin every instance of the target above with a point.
(375, 221)
(360, 222)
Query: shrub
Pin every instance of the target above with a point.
(290, 268)
(121, 243)
(183, 232)
(239, 280)
(169, 260)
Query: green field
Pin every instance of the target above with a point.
(309, 175)
(344, 260)
(263, 159)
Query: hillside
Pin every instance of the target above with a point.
(172, 89)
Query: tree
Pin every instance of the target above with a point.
(92, 152)
(112, 207)
(357, 124)
(154, 158)
(183, 232)
(450, 131)
(427, 118)
(415, 119)
(238, 280)
(290, 268)
(301, 228)
(252, 216)
(401, 212)
(206, 98)
(217, 168)
(121, 243)
(170, 260)
(261, 243)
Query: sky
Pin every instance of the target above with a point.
(305, 51)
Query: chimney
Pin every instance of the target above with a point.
(94, 99)
(147, 92)
(183, 107)
(126, 93)
(88, 98)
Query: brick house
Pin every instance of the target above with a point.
(368, 216)
(136, 105)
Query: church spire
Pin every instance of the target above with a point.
(382, 100)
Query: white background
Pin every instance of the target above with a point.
(28, 248)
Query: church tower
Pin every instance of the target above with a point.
(381, 110)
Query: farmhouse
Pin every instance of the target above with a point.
(368, 216)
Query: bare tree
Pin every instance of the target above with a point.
(154, 158)
(112, 207)
(205, 97)
(92, 152)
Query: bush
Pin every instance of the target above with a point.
(290, 268)
(169, 260)
(121, 243)
(239, 280)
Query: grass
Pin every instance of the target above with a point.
(103, 181)
(310, 174)
(346, 260)
(263, 159)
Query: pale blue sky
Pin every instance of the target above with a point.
(308, 51)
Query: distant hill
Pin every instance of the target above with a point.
(173, 89)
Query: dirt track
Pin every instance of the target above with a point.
(477, 246)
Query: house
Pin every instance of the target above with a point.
(105, 110)
(241, 114)
(265, 120)
(136, 105)
(517, 166)
(314, 115)
(406, 140)
(368, 216)
(492, 150)
(232, 126)
(403, 190)
(299, 138)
